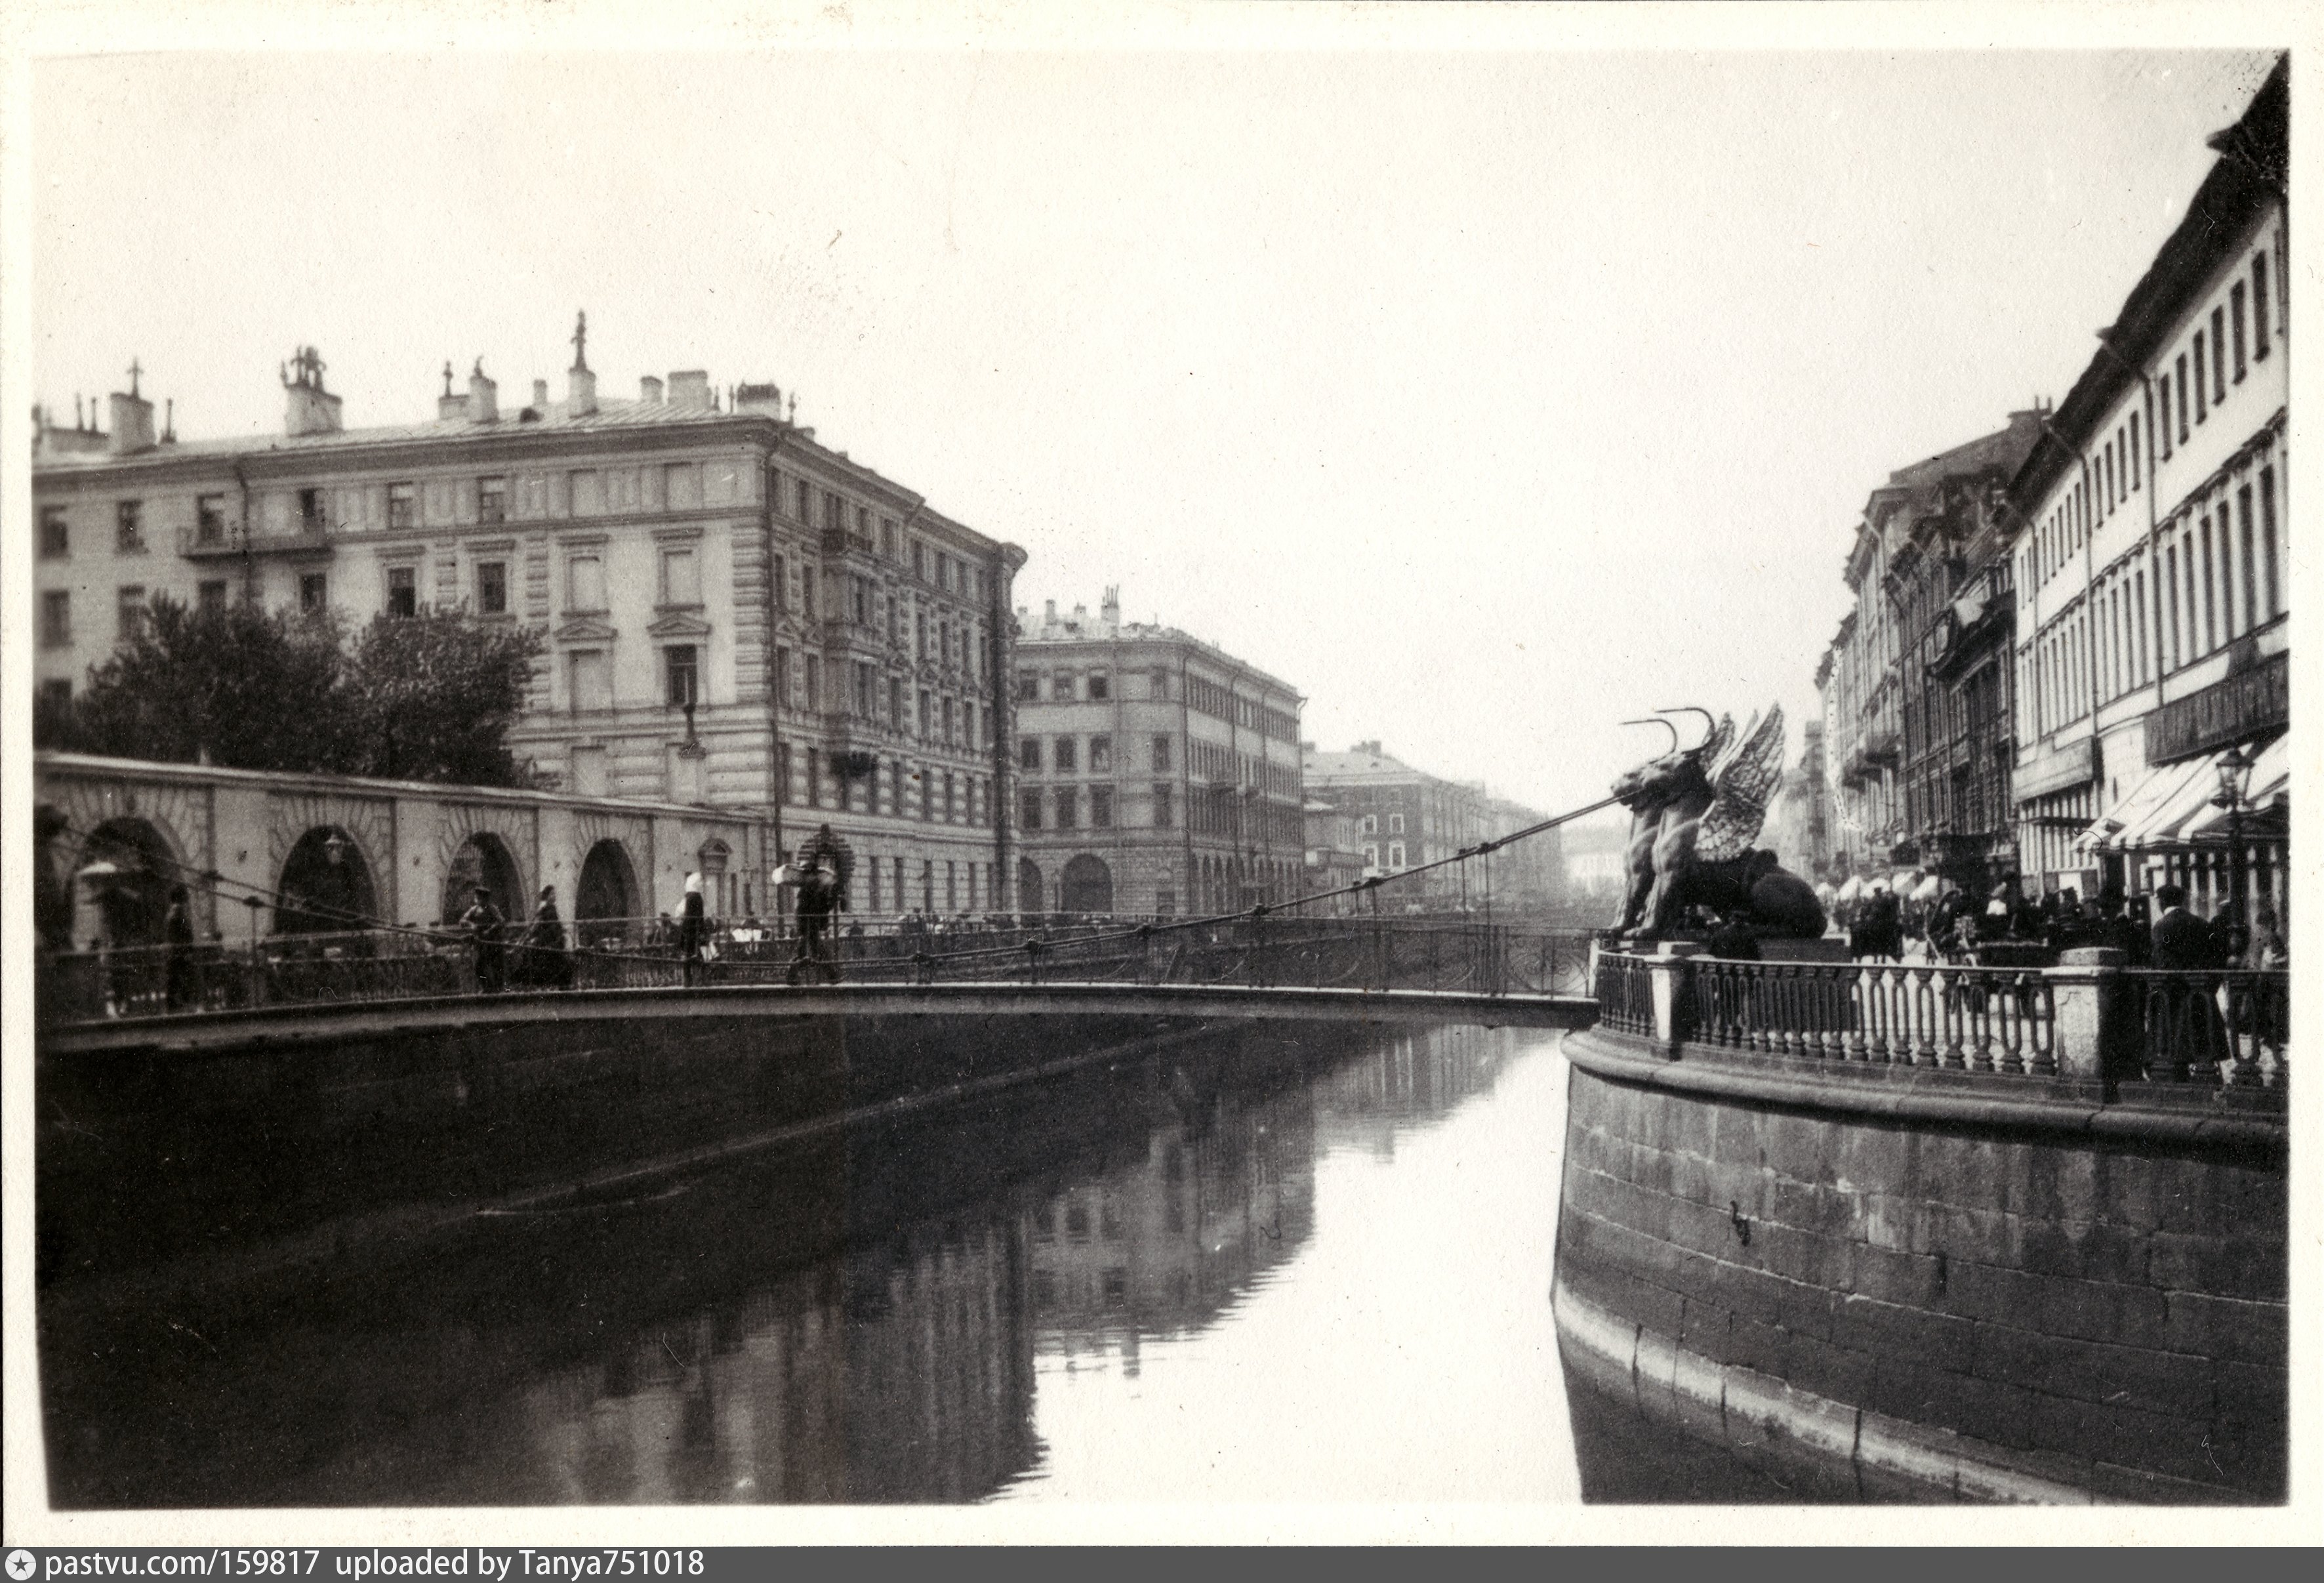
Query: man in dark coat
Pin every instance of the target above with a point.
(483, 921)
(2182, 941)
(177, 932)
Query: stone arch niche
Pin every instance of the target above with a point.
(607, 894)
(121, 883)
(1085, 885)
(483, 859)
(1029, 886)
(325, 885)
(178, 814)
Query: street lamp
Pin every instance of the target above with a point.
(2235, 767)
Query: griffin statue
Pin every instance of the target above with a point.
(1694, 812)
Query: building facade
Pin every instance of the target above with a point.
(1154, 774)
(1407, 818)
(1916, 709)
(2153, 559)
(737, 615)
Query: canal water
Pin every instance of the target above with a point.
(1327, 1281)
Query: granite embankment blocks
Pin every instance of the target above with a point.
(2083, 1305)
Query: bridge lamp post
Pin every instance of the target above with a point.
(2235, 769)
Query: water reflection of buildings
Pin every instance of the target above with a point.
(1161, 1241)
(901, 1372)
(1365, 1103)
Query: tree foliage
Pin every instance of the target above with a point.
(430, 697)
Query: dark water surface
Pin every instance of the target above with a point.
(1324, 1276)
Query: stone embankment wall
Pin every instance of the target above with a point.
(1775, 1259)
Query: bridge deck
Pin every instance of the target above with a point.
(277, 1026)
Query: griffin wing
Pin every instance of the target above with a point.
(1743, 785)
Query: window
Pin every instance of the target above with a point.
(888, 537)
(1101, 758)
(1028, 808)
(677, 662)
(1395, 824)
(865, 691)
(1395, 854)
(2267, 538)
(492, 587)
(2134, 469)
(491, 498)
(2218, 356)
(681, 578)
(1159, 684)
(1161, 755)
(896, 702)
(585, 583)
(2236, 319)
(1028, 755)
(814, 669)
(2203, 406)
(311, 512)
(1100, 808)
(1069, 807)
(56, 538)
(2244, 547)
(2259, 308)
(1099, 685)
(402, 509)
(2162, 431)
(210, 595)
(925, 720)
(132, 612)
(56, 620)
(1371, 824)
(1162, 813)
(2210, 610)
(592, 685)
(2182, 366)
(1371, 857)
(948, 735)
(1061, 685)
(403, 590)
(129, 527)
(1063, 754)
(210, 519)
(782, 584)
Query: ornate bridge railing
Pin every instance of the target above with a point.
(2091, 1021)
(1256, 951)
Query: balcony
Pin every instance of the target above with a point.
(197, 543)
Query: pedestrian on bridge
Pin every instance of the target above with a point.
(693, 928)
(818, 896)
(482, 921)
(544, 960)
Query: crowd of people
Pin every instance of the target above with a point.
(1937, 920)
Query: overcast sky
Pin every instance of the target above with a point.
(1488, 398)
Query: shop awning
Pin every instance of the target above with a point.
(2268, 791)
(2128, 826)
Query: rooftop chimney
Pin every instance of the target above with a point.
(580, 384)
(690, 388)
(484, 396)
(1049, 614)
(1109, 610)
(540, 395)
(766, 399)
(447, 405)
(307, 407)
(650, 391)
(133, 418)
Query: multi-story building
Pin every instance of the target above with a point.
(1154, 774)
(1335, 857)
(2152, 558)
(736, 615)
(1916, 727)
(1406, 817)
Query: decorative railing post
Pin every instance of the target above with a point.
(1673, 972)
(2094, 1024)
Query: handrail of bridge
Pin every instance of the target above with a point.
(2218, 1030)
(1440, 955)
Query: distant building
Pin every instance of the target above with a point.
(1155, 772)
(1407, 818)
(1335, 857)
(1798, 826)
(1915, 703)
(737, 615)
(2153, 559)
